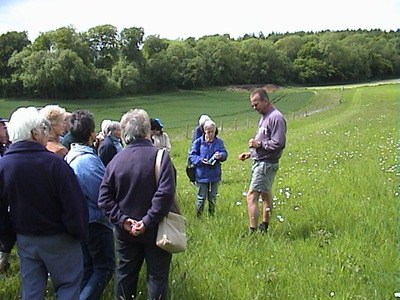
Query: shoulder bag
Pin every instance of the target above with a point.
(171, 234)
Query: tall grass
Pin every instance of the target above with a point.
(336, 197)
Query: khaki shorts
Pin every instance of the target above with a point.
(262, 176)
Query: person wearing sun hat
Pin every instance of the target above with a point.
(159, 137)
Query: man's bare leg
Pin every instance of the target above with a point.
(252, 208)
(267, 207)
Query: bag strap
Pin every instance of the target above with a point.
(76, 156)
(160, 153)
(159, 156)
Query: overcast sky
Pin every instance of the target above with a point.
(180, 19)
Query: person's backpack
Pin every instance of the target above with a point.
(190, 171)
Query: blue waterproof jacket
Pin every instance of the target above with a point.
(89, 170)
(202, 149)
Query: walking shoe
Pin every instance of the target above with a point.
(263, 227)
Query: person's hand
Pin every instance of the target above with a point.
(129, 224)
(244, 155)
(253, 143)
(138, 229)
(217, 155)
(205, 161)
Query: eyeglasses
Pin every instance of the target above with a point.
(45, 128)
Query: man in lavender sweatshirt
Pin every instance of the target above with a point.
(265, 149)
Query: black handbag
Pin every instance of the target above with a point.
(191, 171)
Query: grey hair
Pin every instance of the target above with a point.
(112, 126)
(135, 124)
(22, 122)
(209, 124)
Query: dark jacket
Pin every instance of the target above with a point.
(44, 195)
(107, 150)
(202, 150)
(129, 188)
(67, 140)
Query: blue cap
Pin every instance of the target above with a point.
(159, 122)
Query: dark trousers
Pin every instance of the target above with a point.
(98, 261)
(131, 256)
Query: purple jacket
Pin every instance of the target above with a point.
(44, 195)
(272, 134)
(129, 188)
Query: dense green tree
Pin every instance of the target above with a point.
(311, 64)
(384, 57)
(190, 66)
(161, 72)
(62, 39)
(33, 72)
(153, 45)
(131, 42)
(221, 55)
(56, 74)
(103, 42)
(128, 78)
(101, 62)
(262, 62)
(359, 63)
(290, 45)
(11, 42)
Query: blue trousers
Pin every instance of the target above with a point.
(131, 256)
(206, 191)
(58, 255)
(98, 261)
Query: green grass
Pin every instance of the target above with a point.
(336, 190)
(177, 109)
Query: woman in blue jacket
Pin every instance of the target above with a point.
(207, 153)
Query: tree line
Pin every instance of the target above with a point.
(103, 62)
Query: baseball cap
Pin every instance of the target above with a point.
(3, 120)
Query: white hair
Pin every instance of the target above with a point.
(209, 124)
(104, 126)
(22, 122)
(203, 119)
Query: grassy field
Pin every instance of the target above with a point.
(180, 110)
(335, 229)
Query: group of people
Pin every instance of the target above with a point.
(74, 201)
(66, 210)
